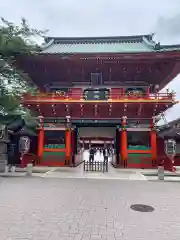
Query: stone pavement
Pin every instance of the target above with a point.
(89, 209)
(120, 174)
(78, 172)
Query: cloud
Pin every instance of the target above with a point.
(89, 18)
(168, 28)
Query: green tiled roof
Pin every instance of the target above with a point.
(125, 44)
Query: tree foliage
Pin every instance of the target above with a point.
(15, 40)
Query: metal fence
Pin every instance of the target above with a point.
(96, 166)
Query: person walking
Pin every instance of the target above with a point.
(105, 154)
(91, 154)
(105, 163)
(100, 150)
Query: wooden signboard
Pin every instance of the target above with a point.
(96, 94)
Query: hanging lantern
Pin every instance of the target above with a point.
(24, 145)
(2, 131)
(170, 150)
(68, 123)
(170, 147)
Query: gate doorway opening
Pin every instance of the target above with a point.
(98, 137)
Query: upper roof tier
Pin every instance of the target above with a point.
(87, 45)
(71, 61)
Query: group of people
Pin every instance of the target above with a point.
(105, 151)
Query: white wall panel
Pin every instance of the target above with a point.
(97, 132)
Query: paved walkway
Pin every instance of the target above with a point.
(79, 173)
(120, 174)
(77, 209)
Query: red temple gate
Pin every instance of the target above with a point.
(112, 79)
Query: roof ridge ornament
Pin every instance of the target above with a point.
(45, 45)
(158, 46)
(152, 35)
(149, 41)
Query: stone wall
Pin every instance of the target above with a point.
(3, 150)
(3, 156)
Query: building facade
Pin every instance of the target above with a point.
(94, 90)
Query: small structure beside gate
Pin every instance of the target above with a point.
(169, 145)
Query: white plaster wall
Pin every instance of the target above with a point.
(178, 148)
(97, 132)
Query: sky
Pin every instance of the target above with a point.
(66, 18)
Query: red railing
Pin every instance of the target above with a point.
(112, 96)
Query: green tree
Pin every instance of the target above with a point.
(15, 40)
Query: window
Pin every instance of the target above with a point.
(138, 140)
(54, 139)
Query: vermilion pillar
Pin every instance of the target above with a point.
(72, 141)
(154, 145)
(153, 136)
(68, 140)
(73, 145)
(41, 139)
(123, 142)
(68, 145)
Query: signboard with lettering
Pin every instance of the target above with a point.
(96, 94)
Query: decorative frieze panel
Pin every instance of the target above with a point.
(59, 91)
(135, 92)
(96, 94)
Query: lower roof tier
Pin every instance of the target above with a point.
(99, 110)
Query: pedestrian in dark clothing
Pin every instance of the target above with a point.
(91, 155)
(105, 154)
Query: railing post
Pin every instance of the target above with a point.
(95, 166)
(77, 96)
